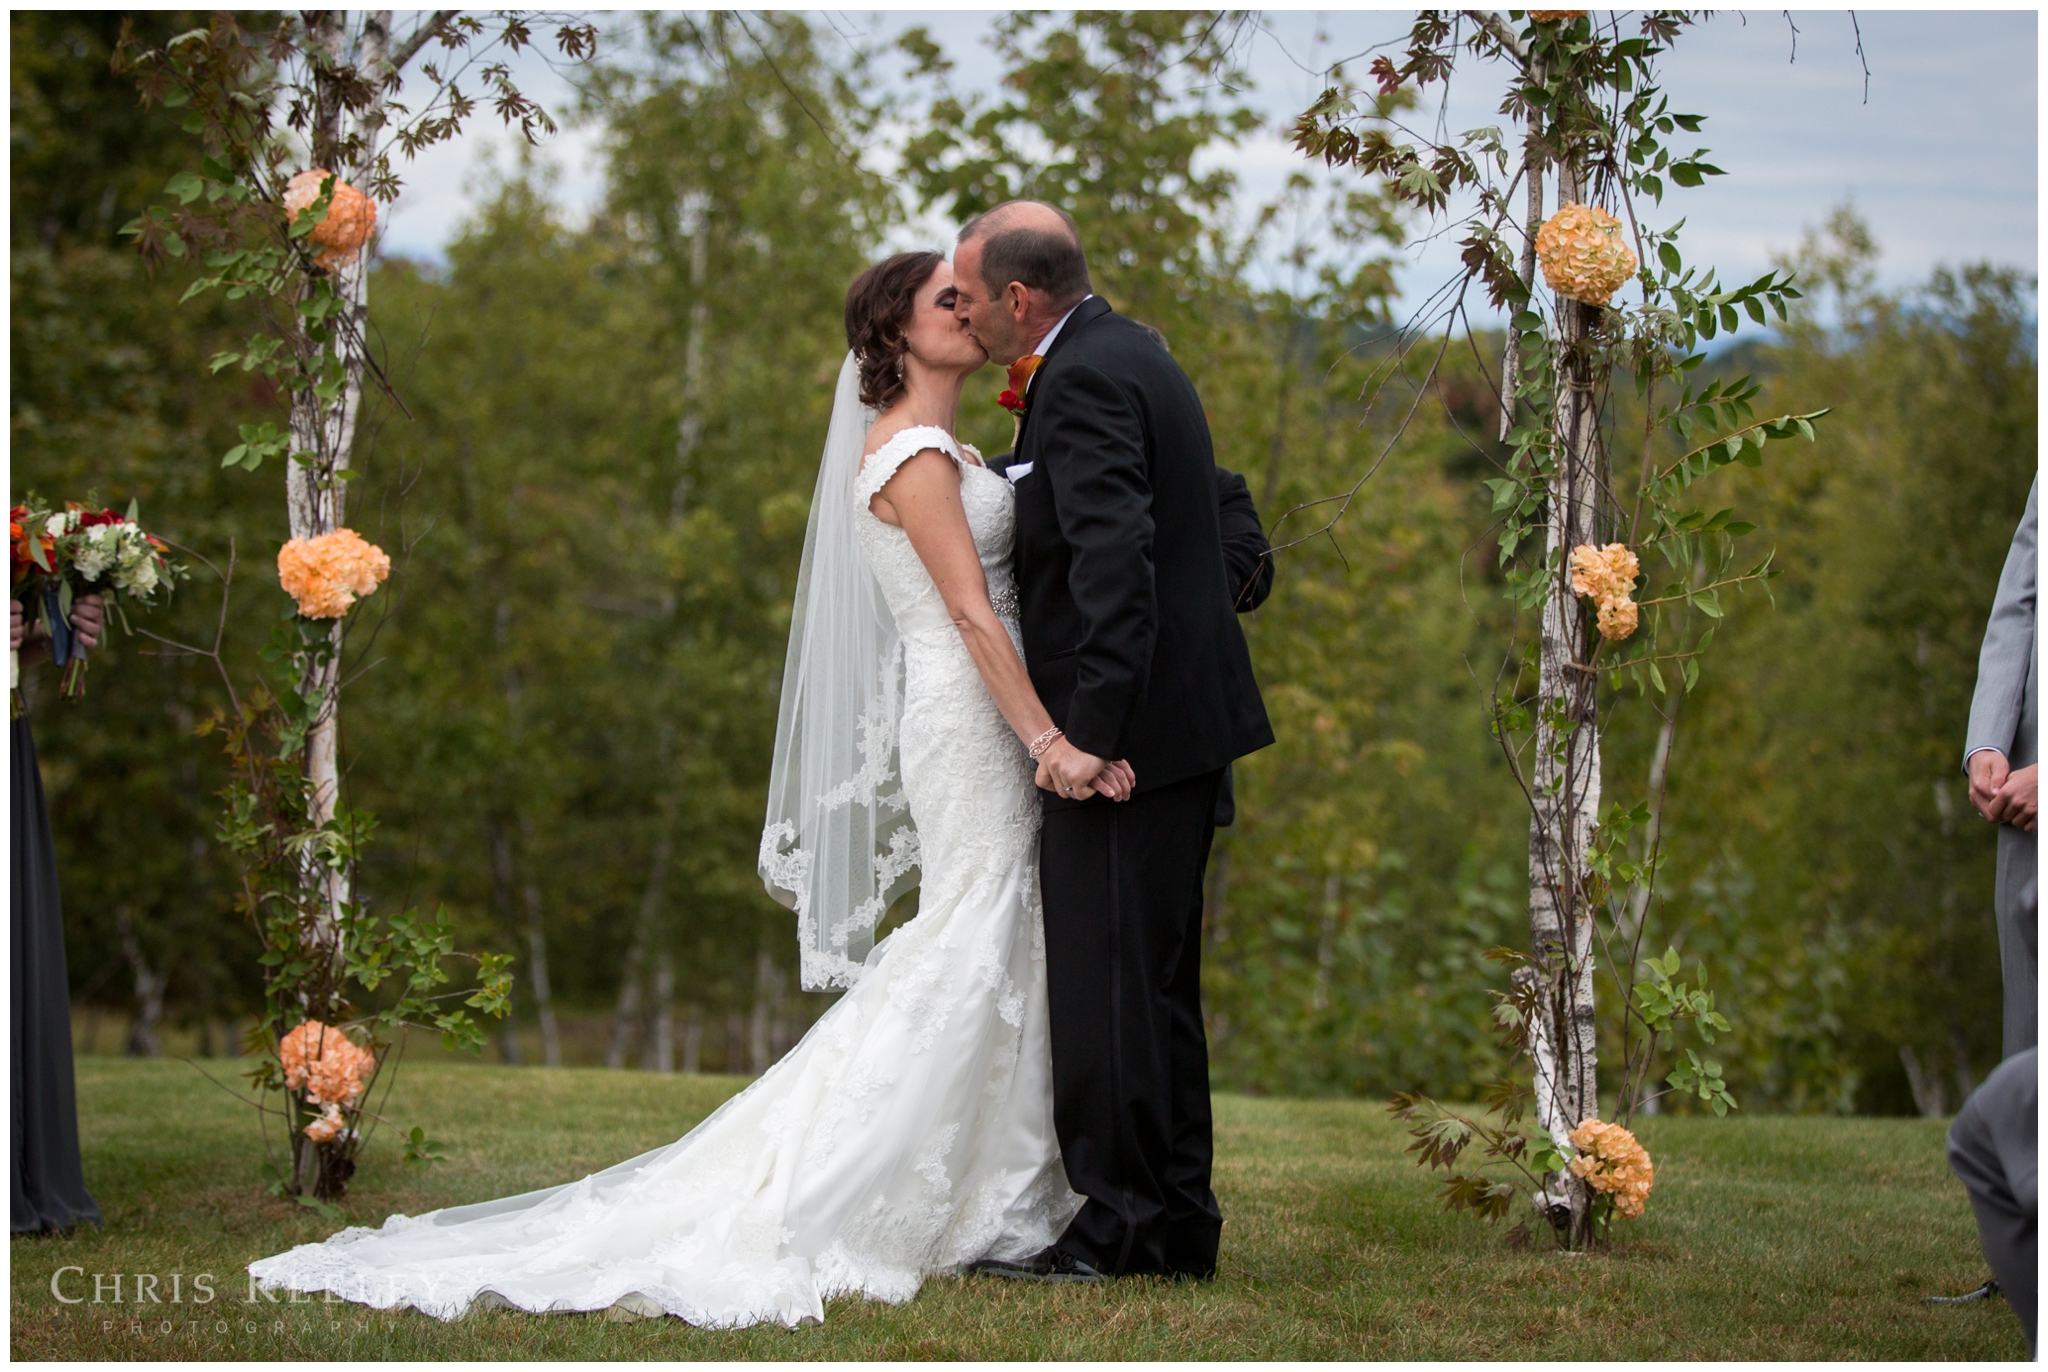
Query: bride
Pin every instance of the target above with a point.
(911, 1131)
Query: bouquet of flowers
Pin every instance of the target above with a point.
(59, 555)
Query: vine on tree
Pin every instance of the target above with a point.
(1619, 564)
(297, 124)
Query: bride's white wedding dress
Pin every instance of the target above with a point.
(909, 1133)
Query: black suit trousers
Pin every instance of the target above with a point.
(1123, 942)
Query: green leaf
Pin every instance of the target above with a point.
(176, 97)
(1709, 603)
(185, 186)
(1668, 255)
(1738, 527)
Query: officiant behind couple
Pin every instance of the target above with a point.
(1019, 690)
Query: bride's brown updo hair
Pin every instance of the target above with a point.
(878, 307)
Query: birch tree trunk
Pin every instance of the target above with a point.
(693, 1038)
(537, 954)
(1566, 774)
(344, 142)
(626, 1016)
(661, 1042)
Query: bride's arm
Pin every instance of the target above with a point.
(924, 498)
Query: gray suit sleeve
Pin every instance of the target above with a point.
(2005, 666)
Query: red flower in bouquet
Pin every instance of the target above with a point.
(1012, 402)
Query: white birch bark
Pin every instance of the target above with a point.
(1566, 773)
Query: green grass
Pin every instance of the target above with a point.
(1765, 1238)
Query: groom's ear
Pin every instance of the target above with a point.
(1017, 299)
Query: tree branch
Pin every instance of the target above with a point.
(417, 39)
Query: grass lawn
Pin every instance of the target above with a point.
(1766, 1238)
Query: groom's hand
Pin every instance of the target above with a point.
(2018, 800)
(1988, 772)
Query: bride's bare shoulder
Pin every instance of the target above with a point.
(884, 430)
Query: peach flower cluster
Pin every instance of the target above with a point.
(1582, 254)
(327, 574)
(1607, 576)
(351, 215)
(1612, 1162)
(326, 1064)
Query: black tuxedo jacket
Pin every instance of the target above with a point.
(1129, 631)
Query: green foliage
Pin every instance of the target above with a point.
(1823, 856)
(421, 1151)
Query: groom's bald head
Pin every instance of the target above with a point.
(1017, 270)
(1031, 243)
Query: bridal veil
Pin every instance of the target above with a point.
(838, 845)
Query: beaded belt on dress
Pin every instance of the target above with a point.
(1003, 600)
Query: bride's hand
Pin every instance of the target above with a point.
(1048, 782)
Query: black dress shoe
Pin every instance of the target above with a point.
(1049, 1265)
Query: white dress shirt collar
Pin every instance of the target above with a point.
(1045, 343)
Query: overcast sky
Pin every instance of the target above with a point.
(1940, 160)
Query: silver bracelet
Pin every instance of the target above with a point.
(1044, 741)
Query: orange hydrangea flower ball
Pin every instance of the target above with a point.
(326, 1064)
(328, 574)
(1582, 254)
(1607, 573)
(1607, 576)
(1613, 1163)
(1617, 618)
(351, 215)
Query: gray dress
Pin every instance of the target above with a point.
(49, 1183)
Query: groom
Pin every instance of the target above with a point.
(1132, 642)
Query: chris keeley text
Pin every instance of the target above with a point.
(76, 1286)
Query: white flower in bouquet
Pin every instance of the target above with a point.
(98, 550)
(137, 570)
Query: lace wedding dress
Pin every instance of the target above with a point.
(909, 1133)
